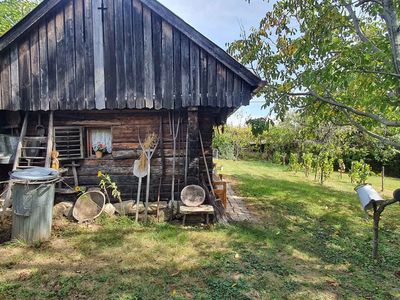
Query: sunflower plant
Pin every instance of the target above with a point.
(107, 184)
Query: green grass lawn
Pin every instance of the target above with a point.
(312, 243)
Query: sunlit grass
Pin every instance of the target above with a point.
(313, 243)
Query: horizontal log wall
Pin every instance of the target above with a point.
(126, 149)
(65, 62)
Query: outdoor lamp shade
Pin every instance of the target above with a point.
(367, 195)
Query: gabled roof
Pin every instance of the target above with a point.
(47, 5)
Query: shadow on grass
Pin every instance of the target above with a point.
(313, 244)
(120, 261)
(322, 226)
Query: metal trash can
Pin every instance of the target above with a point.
(33, 193)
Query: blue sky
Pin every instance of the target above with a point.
(221, 21)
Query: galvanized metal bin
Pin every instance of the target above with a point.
(33, 199)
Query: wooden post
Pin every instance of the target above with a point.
(378, 210)
(50, 143)
(375, 242)
(193, 146)
(20, 142)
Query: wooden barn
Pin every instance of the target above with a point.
(76, 73)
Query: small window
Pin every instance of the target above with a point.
(68, 141)
(99, 138)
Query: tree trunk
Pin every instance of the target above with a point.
(383, 178)
(392, 23)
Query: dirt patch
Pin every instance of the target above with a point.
(5, 227)
(5, 234)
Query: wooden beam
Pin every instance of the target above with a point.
(49, 140)
(21, 137)
(193, 172)
(92, 123)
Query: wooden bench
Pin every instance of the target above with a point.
(205, 210)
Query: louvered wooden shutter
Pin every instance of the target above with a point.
(69, 142)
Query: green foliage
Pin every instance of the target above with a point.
(12, 11)
(299, 134)
(277, 158)
(314, 57)
(342, 167)
(323, 166)
(360, 172)
(231, 141)
(326, 166)
(106, 184)
(224, 144)
(258, 126)
(294, 164)
(307, 163)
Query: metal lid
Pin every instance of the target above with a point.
(35, 174)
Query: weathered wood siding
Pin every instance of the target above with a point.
(125, 129)
(65, 62)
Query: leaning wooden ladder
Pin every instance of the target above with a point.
(23, 148)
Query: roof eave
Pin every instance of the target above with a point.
(47, 5)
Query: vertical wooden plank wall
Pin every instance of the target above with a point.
(43, 68)
(125, 138)
(5, 81)
(14, 76)
(71, 100)
(79, 54)
(149, 68)
(139, 52)
(98, 53)
(126, 56)
(89, 57)
(157, 60)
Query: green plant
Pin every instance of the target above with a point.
(307, 163)
(106, 184)
(231, 141)
(12, 11)
(258, 126)
(326, 166)
(315, 166)
(342, 66)
(322, 166)
(294, 164)
(100, 147)
(342, 167)
(224, 146)
(277, 158)
(360, 172)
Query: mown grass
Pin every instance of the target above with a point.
(312, 243)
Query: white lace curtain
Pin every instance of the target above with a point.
(102, 136)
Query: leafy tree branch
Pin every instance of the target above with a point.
(341, 53)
